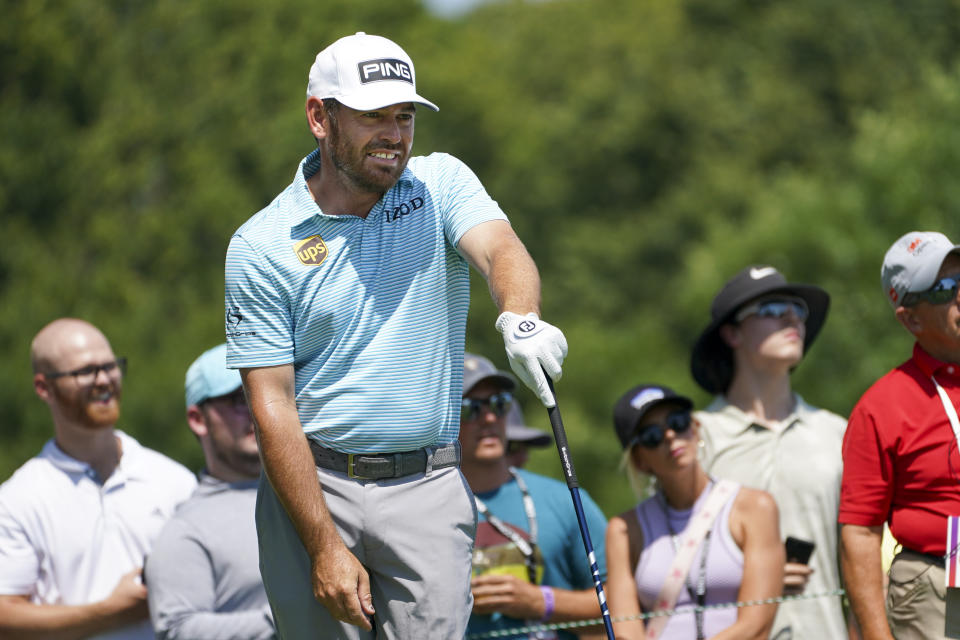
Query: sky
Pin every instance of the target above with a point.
(451, 8)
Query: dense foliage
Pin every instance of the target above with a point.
(645, 151)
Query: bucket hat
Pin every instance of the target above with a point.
(711, 362)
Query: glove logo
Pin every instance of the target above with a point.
(526, 326)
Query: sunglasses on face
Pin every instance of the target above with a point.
(653, 435)
(943, 291)
(474, 408)
(775, 309)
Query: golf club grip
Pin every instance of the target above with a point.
(560, 437)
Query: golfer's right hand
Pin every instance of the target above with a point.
(533, 346)
(342, 585)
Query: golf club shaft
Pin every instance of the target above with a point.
(570, 474)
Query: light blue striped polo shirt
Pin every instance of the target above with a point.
(372, 312)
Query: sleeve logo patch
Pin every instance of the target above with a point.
(234, 318)
(311, 251)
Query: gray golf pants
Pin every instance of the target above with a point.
(414, 535)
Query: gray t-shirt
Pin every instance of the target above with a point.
(203, 575)
(801, 466)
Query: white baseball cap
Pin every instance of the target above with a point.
(365, 72)
(912, 263)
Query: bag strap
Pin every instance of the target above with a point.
(700, 523)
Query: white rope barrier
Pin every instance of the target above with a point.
(575, 624)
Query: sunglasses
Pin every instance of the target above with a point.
(653, 435)
(943, 291)
(473, 408)
(775, 309)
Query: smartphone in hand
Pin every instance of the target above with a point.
(799, 550)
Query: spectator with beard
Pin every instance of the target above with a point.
(204, 573)
(77, 520)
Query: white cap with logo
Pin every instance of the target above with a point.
(365, 72)
(912, 263)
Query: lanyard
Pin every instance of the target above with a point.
(700, 595)
(696, 530)
(525, 547)
(950, 409)
(955, 423)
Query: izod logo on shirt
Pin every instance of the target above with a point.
(311, 251)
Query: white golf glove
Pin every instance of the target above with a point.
(532, 347)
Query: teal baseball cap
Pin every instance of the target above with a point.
(208, 376)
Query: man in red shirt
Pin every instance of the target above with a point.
(901, 464)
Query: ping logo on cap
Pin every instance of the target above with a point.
(311, 251)
(384, 69)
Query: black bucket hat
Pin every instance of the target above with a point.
(712, 360)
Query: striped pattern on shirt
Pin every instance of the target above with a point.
(371, 312)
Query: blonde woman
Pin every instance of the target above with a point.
(695, 542)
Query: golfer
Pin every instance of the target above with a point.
(346, 304)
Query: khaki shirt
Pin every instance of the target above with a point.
(801, 466)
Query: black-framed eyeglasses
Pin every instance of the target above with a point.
(943, 291)
(235, 400)
(652, 435)
(473, 408)
(88, 374)
(775, 308)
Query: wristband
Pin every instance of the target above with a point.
(548, 602)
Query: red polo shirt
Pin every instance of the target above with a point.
(900, 461)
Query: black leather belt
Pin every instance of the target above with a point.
(377, 466)
(931, 558)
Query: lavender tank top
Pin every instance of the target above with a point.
(724, 569)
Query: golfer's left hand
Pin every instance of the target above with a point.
(507, 595)
(532, 347)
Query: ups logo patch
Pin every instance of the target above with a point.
(311, 251)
